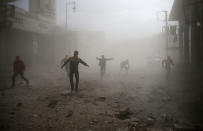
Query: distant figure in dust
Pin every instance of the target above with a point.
(125, 65)
(19, 69)
(73, 67)
(66, 67)
(102, 64)
(167, 63)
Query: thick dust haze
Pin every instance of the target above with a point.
(119, 19)
(130, 72)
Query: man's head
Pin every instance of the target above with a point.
(75, 53)
(17, 57)
(168, 57)
(102, 56)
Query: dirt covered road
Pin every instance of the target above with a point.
(120, 102)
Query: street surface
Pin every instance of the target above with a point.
(121, 102)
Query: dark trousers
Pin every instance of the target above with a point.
(76, 79)
(102, 71)
(124, 67)
(21, 75)
(168, 69)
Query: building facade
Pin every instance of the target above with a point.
(30, 35)
(189, 14)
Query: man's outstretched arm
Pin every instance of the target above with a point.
(109, 58)
(98, 58)
(84, 63)
(65, 63)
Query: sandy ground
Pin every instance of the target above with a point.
(121, 102)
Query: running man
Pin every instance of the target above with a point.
(167, 63)
(124, 65)
(102, 64)
(19, 69)
(73, 67)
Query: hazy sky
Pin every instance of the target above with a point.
(22, 4)
(119, 19)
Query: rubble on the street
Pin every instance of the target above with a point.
(124, 108)
(69, 114)
(124, 113)
(52, 103)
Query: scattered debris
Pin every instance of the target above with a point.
(150, 121)
(165, 117)
(65, 93)
(2, 93)
(166, 99)
(95, 103)
(43, 99)
(150, 115)
(35, 115)
(93, 122)
(52, 103)
(87, 101)
(124, 114)
(178, 127)
(102, 99)
(134, 120)
(70, 113)
(132, 126)
(126, 129)
(80, 96)
(19, 104)
(111, 121)
(12, 113)
(109, 114)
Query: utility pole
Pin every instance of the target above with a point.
(6, 11)
(166, 22)
(166, 29)
(74, 8)
(66, 15)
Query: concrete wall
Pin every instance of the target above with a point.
(18, 43)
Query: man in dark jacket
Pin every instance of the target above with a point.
(74, 61)
(18, 69)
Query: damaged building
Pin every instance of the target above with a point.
(27, 33)
(189, 14)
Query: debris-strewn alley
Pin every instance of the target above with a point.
(126, 102)
(101, 65)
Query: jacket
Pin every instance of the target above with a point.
(19, 66)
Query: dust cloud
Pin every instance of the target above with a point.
(131, 74)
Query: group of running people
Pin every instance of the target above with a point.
(71, 65)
